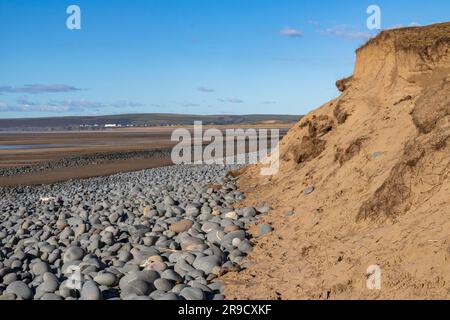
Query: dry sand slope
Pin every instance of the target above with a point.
(378, 157)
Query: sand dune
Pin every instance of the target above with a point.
(378, 157)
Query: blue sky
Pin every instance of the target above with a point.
(185, 56)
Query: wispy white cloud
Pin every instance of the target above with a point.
(231, 100)
(347, 32)
(291, 33)
(205, 89)
(126, 104)
(268, 102)
(399, 26)
(38, 88)
(314, 23)
(61, 106)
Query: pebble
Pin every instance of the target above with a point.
(73, 253)
(153, 234)
(90, 291)
(190, 293)
(168, 296)
(10, 278)
(137, 287)
(376, 155)
(51, 297)
(264, 229)
(50, 283)
(8, 296)
(20, 289)
(163, 284)
(40, 268)
(207, 264)
(106, 279)
(309, 190)
(181, 226)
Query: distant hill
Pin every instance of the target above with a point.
(139, 120)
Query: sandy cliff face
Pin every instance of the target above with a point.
(378, 157)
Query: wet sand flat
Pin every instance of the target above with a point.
(51, 147)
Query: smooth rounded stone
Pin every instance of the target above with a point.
(124, 256)
(205, 210)
(248, 212)
(8, 296)
(51, 297)
(235, 253)
(181, 226)
(70, 266)
(16, 264)
(106, 279)
(190, 293)
(142, 298)
(137, 287)
(157, 266)
(231, 215)
(149, 241)
(3, 270)
(187, 256)
(177, 288)
(53, 257)
(90, 291)
(208, 264)
(309, 190)
(163, 284)
(192, 211)
(73, 253)
(66, 233)
(61, 224)
(189, 243)
(264, 210)
(218, 297)
(177, 210)
(148, 276)
(215, 236)
(182, 267)
(18, 255)
(47, 248)
(70, 298)
(64, 291)
(195, 274)
(290, 213)
(203, 287)
(216, 286)
(140, 255)
(170, 274)
(130, 267)
(228, 238)
(376, 154)
(210, 226)
(231, 228)
(10, 278)
(168, 297)
(264, 229)
(155, 295)
(169, 201)
(245, 246)
(40, 268)
(49, 284)
(236, 242)
(20, 289)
